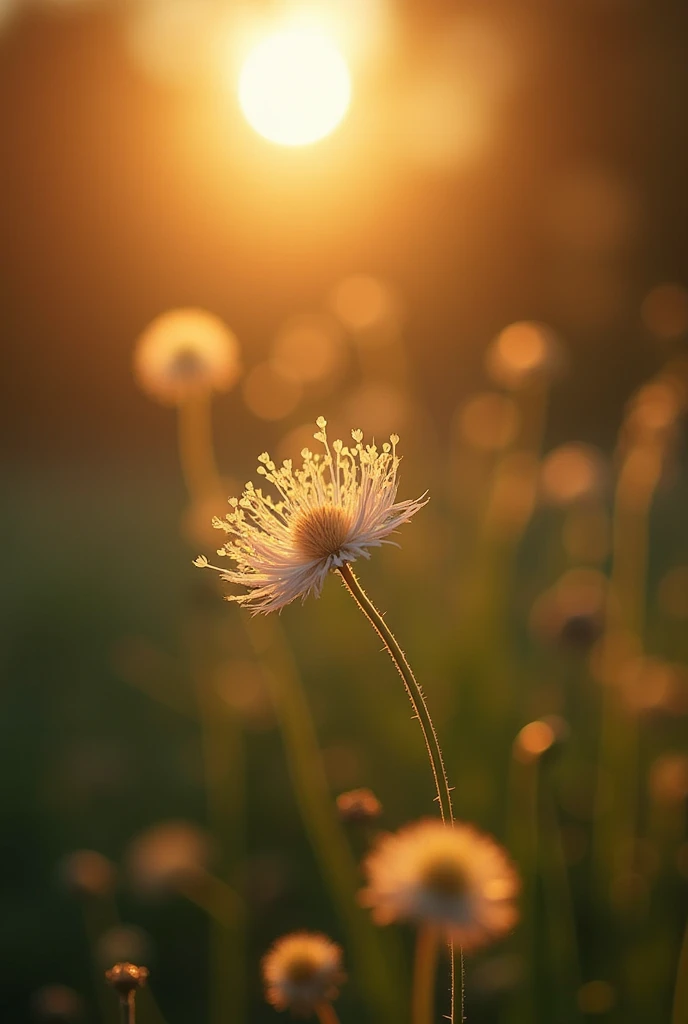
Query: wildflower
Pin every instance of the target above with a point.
(328, 513)
(184, 353)
(451, 877)
(301, 971)
(358, 805)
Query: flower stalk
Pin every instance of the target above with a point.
(423, 1005)
(413, 689)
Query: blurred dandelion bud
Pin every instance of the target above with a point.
(652, 684)
(668, 779)
(524, 352)
(571, 614)
(571, 473)
(126, 979)
(488, 422)
(450, 876)
(665, 311)
(185, 353)
(539, 738)
(368, 307)
(358, 806)
(121, 944)
(168, 855)
(673, 592)
(56, 1004)
(302, 971)
(88, 873)
(596, 997)
(308, 349)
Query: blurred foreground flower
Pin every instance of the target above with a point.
(302, 971)
(454, 878)
(88, 873)
(328, 514)
(57, 1004)
(184, 353)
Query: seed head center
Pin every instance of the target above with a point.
(301, 969)
(445, 876)
(321, 531)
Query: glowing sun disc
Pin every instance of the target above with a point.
(294, 87)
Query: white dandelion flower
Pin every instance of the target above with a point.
(451, 877)
(328, 513)
(302, 971)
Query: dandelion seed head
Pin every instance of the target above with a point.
(340, 503)
(302, 970)
(184, 353)
(453, 877)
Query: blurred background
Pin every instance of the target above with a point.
(487, 254)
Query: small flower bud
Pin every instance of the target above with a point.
(126, 978)
(358, 806)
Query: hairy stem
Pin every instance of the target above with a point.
(421, 712)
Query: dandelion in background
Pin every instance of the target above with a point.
(453, 878)
(302, 972)
(453, 881)
(185, 352)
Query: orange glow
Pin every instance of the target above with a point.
(307, 349)
(294, 87)
(520, 352)
(269, 395)
(362, 302)
(489, 421)
(570, 473)
(665, 311)
(533, 740)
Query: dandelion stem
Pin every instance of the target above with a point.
(420, 708)
(327, 1013)
(413, 689)
(423, 1005)
(127, 1007)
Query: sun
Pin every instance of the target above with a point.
(294, 87)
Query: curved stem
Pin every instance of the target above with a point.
(420, 708)
(423, 1005)
(413, 689)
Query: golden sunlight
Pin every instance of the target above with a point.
(294, 87)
